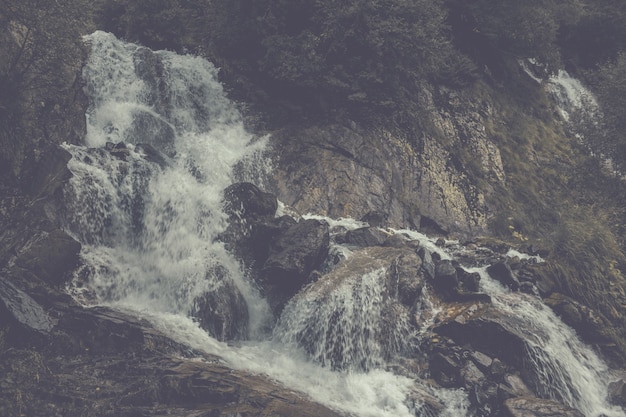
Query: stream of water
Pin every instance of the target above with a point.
(149, 223)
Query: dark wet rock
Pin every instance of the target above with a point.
(491, 332)
(428, 263)
(375, 218)
(469, 281)
(104, 363)
(247, 201)
(45, 177)
(365, 236)
(50, 255)
(446, 279)
(251, 223)
(589, 324)
(536, 407)
(293, 255)
(18, 308)
(118, 150)
(617, 392)
(405, 271)
(502, 272)
(445, 370)
(222, 311)
(151, 154)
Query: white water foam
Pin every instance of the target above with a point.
(149, 229)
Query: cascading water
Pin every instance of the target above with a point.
(149, 219)
(148, 213)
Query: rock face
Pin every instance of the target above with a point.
(343, 171)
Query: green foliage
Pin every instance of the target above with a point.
(356, 51)
(597, 37)
(492, 29)
(160, 24)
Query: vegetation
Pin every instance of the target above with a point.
(41, 53)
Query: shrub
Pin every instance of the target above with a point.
(356, 51)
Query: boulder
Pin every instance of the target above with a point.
(406, 272)
(365, 236)
(617, 392)
(251, 223)
(445, 370)
(246, 201)
(501, 271)
(469, 281)
(18, 308)
(293, 255)
(446, 279)
(50, 255)
(537, 407)
(490, 331)
(99, 362)
(222, 311)
(356, 315)
(428, 264)
(375, 218)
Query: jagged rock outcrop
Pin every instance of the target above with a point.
(347, 171)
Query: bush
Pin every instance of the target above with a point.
(356, 51)
(495, 29)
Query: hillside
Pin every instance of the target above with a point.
(423, 115)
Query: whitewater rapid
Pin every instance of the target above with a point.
(149, 227)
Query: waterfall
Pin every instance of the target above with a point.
(163, 142)
(570, 95)
(561, 366)
(145, 197)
